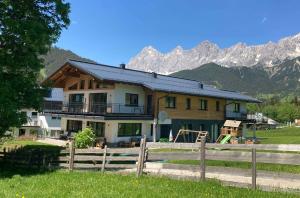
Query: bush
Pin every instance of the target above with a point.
(85, 138)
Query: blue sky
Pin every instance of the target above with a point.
(113, 31)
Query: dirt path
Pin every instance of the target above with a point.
(265, 179)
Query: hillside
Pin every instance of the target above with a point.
(282, 78)
(56, 57)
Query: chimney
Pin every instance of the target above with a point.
(201, 85)
(154, 75)
(123, 66)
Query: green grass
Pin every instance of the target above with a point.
(244, 165)
(289, 135)
(95, 184)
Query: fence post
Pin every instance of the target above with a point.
(140, 164)
(143, 155)
(253, 168)
(202, 159)
(104, 159)
(72, 153)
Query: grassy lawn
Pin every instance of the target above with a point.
(244, 165)
(289, 135)
(95, 184)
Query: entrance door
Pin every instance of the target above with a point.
(98, 102)
(165, 130)
(149, 104)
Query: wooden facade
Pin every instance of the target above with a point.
(181, 112)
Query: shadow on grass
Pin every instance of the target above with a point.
(30, 160)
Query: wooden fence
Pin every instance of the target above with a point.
(275, 154)
(71, 158)
(135, 158)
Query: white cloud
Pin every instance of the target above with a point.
(264, 20)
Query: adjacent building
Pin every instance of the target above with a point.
(46, 123)
(120, 103)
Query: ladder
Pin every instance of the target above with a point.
(200, 134)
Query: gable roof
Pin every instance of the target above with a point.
(157, 83)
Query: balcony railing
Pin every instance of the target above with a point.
(52, 106)
(102, 108)
(236, 115)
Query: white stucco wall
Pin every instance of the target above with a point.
(111, 127)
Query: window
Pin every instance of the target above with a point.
(203, 105)
(76, 98)
(237, 107)
(82, 83)
(129, 129)
(34, 114)
(90, 84)
(74, 125)
(217, 105)
(132, 99)
(56, 118)
(98, 128)
(170, 102)
(188, 103)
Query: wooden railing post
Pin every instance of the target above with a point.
(72, 153)
(253, 168)
(202, 158)
(104, 158)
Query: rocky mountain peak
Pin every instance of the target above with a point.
(240, 54)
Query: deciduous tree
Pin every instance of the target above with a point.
(28, 28)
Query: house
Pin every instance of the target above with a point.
(262, 121)
(46, 123)
(120, 103)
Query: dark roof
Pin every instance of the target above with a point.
(157, 82)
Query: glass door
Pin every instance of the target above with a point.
(98, 102)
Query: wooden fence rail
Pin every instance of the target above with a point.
(227, 152)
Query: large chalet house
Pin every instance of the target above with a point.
(120, 103)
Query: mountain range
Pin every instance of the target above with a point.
(266, 55)
(282, 78)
